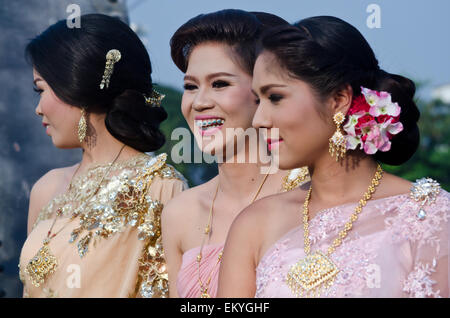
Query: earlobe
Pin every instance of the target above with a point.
(343, 99)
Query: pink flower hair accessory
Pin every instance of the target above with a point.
(373, 120)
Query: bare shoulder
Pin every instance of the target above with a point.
(189, 196)
(186, 204)
(56, 177)
(165, 189)
(50, 183)
(266, 220)
(45, 189)
(392, 185)
(270, 215)
(270, 207)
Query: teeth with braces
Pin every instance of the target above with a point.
(209, 122)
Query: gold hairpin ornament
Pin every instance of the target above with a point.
(155, 99)
(113, 56)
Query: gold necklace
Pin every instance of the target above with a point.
(204, 287)
(317, 271)
(294, 178)
(44, 262)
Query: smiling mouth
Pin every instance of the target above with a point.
(205, 124)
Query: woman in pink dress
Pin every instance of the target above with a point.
(216, 52)
(354, 230)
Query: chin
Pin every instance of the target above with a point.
(288, 162)
(64, 145)
(218, 150)
(286, 166)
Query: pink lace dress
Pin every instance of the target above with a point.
(397, 248)
(188, 277)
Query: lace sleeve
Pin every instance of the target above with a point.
(429, 276)
(162, 183)
(152, 275)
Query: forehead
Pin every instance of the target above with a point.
(212, 57)
(267, 69)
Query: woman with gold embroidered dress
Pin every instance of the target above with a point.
(216, 53)
(353, 230)
(94, 228)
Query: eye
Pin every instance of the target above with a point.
(257, 100)
(189, 87)
(39, 91)
(220, 84)
(275, 98)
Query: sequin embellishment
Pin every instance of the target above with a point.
(424, 190)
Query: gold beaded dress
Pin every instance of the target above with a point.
(112, 247)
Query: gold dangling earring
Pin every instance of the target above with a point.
(82, 126)
(337, 143)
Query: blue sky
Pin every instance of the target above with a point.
(413, 39)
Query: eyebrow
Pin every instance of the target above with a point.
(210, 76)
(265, 88)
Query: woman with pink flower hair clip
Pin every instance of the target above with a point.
(353, 230)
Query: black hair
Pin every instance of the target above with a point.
(72, 62)
(329, 53)
(237, 28)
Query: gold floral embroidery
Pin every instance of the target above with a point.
(119, 204)
(153, 280)
(123, 200)
(75, 201)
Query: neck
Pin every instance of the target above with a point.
(101, 147)
(335, 183)
(241, 181)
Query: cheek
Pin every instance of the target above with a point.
(303, 129)
(62, 117)
(56, 110)
(49, 106)
(239, 105)
(186, 102)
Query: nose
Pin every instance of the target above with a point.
(202, 101)
(38, 110)
(262, 117)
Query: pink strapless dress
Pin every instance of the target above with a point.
(187, 280)
(390, 252)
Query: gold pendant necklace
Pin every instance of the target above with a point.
(44, 262)
(204, 287)
(316, 272)
(41, 265)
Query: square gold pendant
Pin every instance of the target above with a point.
(41, 265)
(311, 272)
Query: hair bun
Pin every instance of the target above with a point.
(134, 122)
(402, 90)
(76, 78)
(329, 54)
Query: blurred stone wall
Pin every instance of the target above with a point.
(26, 152)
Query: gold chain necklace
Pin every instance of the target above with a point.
(44, 262)
(204, 287)
(317, 271)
